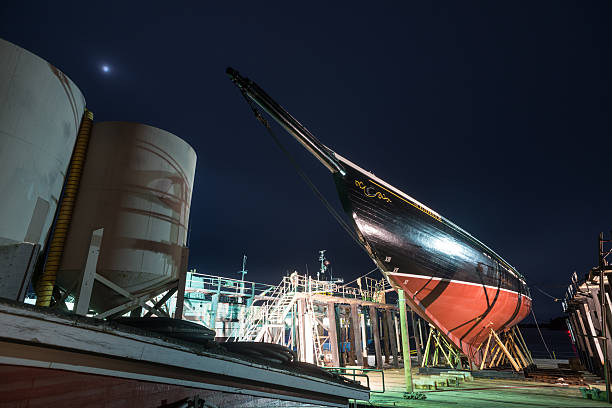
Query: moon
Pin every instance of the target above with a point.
(105, 69)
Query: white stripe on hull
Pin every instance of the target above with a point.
(435, 278)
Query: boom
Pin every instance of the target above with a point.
(253, 92)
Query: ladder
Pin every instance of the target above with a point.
(318, 348)
(270, 315)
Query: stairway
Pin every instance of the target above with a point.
(271, 314)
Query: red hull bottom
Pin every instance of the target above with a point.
(462, 311)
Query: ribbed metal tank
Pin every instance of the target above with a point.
(136, 184)
(40, 113)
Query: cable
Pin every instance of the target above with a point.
(303, 175)
(362, 276)
(549, 295)
(541, 336)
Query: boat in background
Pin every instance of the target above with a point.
(451, 279)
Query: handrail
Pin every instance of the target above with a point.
(278, 303)
(342, 371)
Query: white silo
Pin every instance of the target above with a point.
(40, 113)
(136, 184)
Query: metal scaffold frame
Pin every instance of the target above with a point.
(326, 322)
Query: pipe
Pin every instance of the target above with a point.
(45, 284)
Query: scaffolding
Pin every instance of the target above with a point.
(221, 303)
(328, 323)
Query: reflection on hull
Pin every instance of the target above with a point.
(451, 279)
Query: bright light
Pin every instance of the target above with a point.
(447, 246)
(105, 68)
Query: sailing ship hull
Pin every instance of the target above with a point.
(451, 279)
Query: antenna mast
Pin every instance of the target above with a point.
(324, 263)
(243, 271)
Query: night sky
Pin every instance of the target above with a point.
(495, 114)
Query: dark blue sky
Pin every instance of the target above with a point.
(495, 114)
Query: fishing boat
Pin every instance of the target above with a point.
(450, 278)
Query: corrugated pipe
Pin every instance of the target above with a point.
(45, 284)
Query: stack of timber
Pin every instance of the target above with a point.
(555, 376)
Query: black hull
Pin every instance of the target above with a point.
(453, 280)
(404, 236)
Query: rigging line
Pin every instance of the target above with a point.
(303, 175)
(550, 296)
(540, 331)
(362, 276)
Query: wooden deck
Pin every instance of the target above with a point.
(479, 393)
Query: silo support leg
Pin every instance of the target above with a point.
(160, 302)
(134, 302)
(89, 274)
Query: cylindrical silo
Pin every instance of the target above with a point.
(40, 112)
(136, 184)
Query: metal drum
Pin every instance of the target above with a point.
(137, 184)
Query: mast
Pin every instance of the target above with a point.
(253, 92)
(323, 267)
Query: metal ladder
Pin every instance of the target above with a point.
(269, 315)
(318, 349)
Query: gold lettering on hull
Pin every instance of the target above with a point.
(415, 205)
(370, 193)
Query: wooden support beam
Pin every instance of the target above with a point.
(506, 352)
(486, 350)
(364, 338)
(446, 355)
(376, 334)
(333, 334)
(421, 324)
(427, 348)
(355, 325)
(499, 355)
(522, 359)
(386, 337)
(397, 332)
(417, 343)
(495, 350)
(519, 336)
(340, 338)
(392, 338)
(351, 340)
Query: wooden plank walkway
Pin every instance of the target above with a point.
(478, 393)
